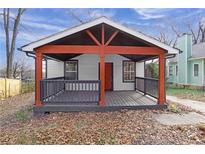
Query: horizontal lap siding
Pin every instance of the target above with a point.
(88, 69)
(55, 69)
(195, 80)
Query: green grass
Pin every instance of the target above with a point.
(27, 87)
(22, 115)
(184, 93)
(181, 91)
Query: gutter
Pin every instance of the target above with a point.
(32, 55)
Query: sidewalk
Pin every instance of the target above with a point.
(196, 105)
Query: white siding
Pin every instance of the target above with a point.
(88, 65)
(140, 69)
(55, 69)
(88, 69)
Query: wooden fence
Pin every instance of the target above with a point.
(12, 87)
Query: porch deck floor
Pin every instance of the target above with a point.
(115, 100)
(127, 98)
(112, 98)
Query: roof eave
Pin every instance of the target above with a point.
(31, 46)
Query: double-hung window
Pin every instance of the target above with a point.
(176, 70)
(71, 70)
(170, 70)
(196, 69)
(128, 71)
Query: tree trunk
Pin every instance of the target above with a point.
(10, 48)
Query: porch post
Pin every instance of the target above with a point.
(161, 83)
(38, 64)
(102, 69)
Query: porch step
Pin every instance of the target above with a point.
(88, 108)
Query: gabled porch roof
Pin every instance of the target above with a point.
(63, 36)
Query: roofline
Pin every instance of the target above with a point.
(30, 47)
(192, 58)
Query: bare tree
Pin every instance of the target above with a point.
(20, 69)
(10, 41)
(198, 33)
(89, 15)
(164, 39)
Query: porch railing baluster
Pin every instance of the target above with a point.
(149, 86)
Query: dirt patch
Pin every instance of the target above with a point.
(15, 105)
(125, 127)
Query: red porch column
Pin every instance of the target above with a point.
(38, 64)
(102, 77)
(102, 68)
(161, 84)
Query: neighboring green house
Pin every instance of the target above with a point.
(188, 67)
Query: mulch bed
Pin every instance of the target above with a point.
(125, 127)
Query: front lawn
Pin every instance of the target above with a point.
(119, 127)
(198, 95)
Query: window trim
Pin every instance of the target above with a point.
(194, 71)
(125, 81)
(75, 60)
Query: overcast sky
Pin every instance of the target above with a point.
(37, 23)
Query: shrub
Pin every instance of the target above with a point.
(174, 108)
(22, 115)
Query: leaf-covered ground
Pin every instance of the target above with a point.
(125, 127)
(119, 127)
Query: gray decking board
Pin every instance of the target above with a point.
(127, 98)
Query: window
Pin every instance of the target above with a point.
(128, 71)
(196, 69)
(170, 70)
(176, 70)
(71, 70)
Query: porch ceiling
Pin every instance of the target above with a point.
(62, 57)
(121, 39)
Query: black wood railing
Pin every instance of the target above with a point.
(61, 90)
(149, 86)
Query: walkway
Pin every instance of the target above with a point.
(196, 105)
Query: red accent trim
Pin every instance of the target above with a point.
(132, 50)
(93, 37)
(112, 37)
(66, 49)
(161, 89)
(39, 58)
(109, 76)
